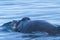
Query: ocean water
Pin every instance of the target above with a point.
(48, 10)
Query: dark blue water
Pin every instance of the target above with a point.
(48, 10)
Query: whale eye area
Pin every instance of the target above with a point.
(13, 24)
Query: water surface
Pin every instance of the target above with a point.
(48, 10)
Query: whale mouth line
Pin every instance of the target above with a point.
(38, 32)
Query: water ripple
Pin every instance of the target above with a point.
(48, 10)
